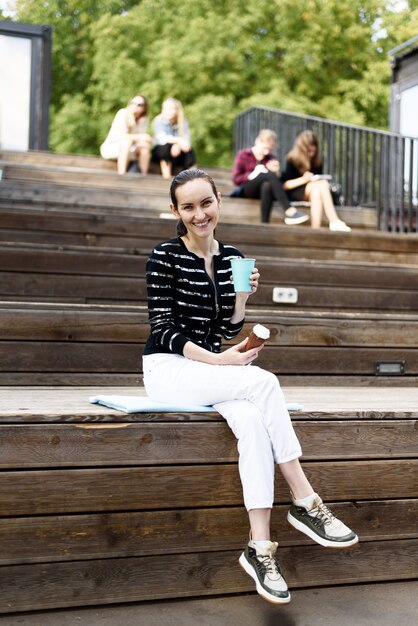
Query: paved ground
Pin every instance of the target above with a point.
(380, 604)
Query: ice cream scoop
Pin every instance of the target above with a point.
(258, 335)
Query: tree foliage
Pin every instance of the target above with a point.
(320, 57)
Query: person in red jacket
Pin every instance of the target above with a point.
(256, 173)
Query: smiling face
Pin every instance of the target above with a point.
(197, 207)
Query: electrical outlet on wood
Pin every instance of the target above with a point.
(285, 295)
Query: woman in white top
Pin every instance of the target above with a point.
(127, 138)
(172, 144)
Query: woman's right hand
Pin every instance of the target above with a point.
(236, 356)
(308, 176)
(184, 144)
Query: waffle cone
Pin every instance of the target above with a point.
(254, 339)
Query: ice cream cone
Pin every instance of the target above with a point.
(258, 335)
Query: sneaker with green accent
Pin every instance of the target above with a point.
(262, 565)
(321, 525)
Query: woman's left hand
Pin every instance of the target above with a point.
(254, 279)
(241, 297)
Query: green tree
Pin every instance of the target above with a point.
(321, 57)
(73, 129)
(72, 46)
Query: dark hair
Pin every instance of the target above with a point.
(299, 153)
(181, 179)
(139, 95)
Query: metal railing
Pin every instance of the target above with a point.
(375, 168)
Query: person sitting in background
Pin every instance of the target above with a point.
(301, 180)
(128, 136)
(172, 145)
(256, 172)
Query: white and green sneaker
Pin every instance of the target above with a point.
(320, 524)
(260, 562)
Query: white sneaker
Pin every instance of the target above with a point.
(320, 524)
(262, 565)
(339, 226)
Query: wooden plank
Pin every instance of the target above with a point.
(111, 261)
(340, 297)
(44, 492)
(83, 179)
(65, 287)
(20, 223)
(69, 357)
(52, 585)
(99, 380)
(339, 329)
(94, 536)
(290, 272)
(71, 379)
(34, 321)
(84, 324)
(121, 444)
(87, 289)
(66, 404)
(334, 360)
(269, 235)
(128, 231)
(90, 357)
(132, 291)
(42, 157)
(79, 261)
(90, 274)
(250, 249)
(46, 157)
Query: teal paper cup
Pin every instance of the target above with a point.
(241, 272)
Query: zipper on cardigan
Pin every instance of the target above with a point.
(215, 287)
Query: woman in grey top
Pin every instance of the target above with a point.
(172, 145)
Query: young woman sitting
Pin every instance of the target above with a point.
(301, 180)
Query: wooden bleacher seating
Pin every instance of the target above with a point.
(128, 229)
(86, 274)
(88, 181)
(44, 343)
(101, 507)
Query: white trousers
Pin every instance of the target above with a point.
(251, 401)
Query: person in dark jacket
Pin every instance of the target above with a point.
(192, 306)
(303, 180)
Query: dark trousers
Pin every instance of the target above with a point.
(268, 188)
(182, 162)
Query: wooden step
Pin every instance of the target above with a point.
(125, 228)
(82, 177)
(146, 193)
(164, 488)
(40, 157)
(83, 344)
(86, 274)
